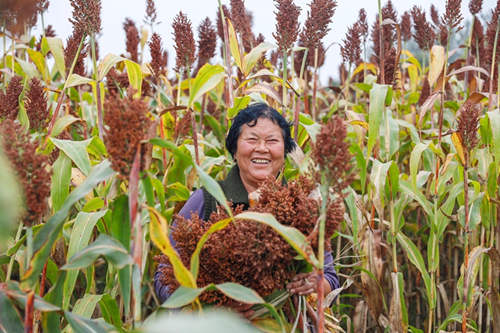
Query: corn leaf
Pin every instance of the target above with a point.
(376, 109)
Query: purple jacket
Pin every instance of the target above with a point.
(195, 205)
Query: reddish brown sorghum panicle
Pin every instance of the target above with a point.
(70, 52)
(362, 25)
(435, 16)
(15, 14)
(116, 82)
(151, 14)
(287, 23)
(183, 125)
(207, 41)
(405, 26)
(247, 252)
(184, 42)
(159, 57)
(453, 16)
(490, 47)
(31, 170)
(132, 39)
(316, 26)
(36, 105)
(331, 154)
(424, 34)
(128, 124)
(86, 16)
(468, 123)
(9, 101)
(388, 31)
(477, 41)
(242, 23)
(475, 6)
(425, 93)
(351, 45)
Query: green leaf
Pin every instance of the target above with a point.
(62, 123)
(109, 310)
(106, 64)
(239, 103)
(77, 80)
(80, 324)
(294, 237)
(394, 179)
(494, 117)
(240, 293)
(134, 73)
(111, 249)
(416, 153)
(183, 296)
(57, 50)
(418, 196)
(214, 189)
(93, 205)
(208, 77)
(10, 320)
(13, 291)
(39, 60)
(254, 55)
(195, 257)
(233, 45)
(28, 68)
(61, 178)
(376, 109)
(186, 158)
(158, 232)
(492, 180)
(378, 177)
(49, 232)
(85, 306)
(416, 259)
(79, 239)
(77, 151)
(433, 252)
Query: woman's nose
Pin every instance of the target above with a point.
(261, 145)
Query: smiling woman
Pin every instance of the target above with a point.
(259, 140)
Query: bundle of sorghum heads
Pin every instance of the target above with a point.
(15, 14)
(36, 105)
(32, 170)
(9, 101)
(247, 252)
(453, 16)
(468, 123)
(184, 42)
(132, 39)
(331, 154)
(159, 57)
(128, 126)
(424, 34)
(207, 41)
(86, 16)
(287, 23)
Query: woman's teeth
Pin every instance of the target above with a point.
(260, 161)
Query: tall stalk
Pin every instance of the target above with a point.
(492, 71)
(466, 241)
(283, 85)
(227, 62)
(100, 126)
(381, 49)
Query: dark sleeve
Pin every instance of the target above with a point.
(194, 205)
(330, 273)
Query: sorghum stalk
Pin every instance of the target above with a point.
(492, 71)
(284, 88)
(315, 84)
(321, 253)
(227, 62)
(381, 38)
(4, 38)
(11, 261)
(98, 89)
(466, 240)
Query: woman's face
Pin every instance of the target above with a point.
(260, 152)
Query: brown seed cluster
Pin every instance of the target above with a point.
(184, 42)
(128, 125)
(15, 14)
(9, 101)
(220, 28)
(468, 123)
(351, 45)
(453, 16)
(242, 21)
(36, 105)
(132, 39)
(475, 6)
(86, 16)
(31, 169)
(490, 46)
(405, 26)
(248, 252)
(159, 57)
(207, 41)
(424, 34)
(70, 52)
(331, 153)
(151, 14)
(287, 23)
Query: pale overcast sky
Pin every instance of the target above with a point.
(114, 12)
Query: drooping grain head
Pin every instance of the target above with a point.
(184, 42)
(128, 125)
(468, 124)
(453, 15)
(9, 101)
(475, 6)
(36, 105)
(86, 16)
(331, 154)
(207, 41)
(31, 169)
(287, 23)
(132, 39)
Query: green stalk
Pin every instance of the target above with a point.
(4, 38)
(11, 261)
(381, 49)
(100, 126)
(321, 254)
(466, 246)
(227, 62)
(315, 85)
(285, 92)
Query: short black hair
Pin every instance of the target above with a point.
(249, 116)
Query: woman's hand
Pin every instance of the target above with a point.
(303, 284)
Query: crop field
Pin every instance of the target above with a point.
(396, 171)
